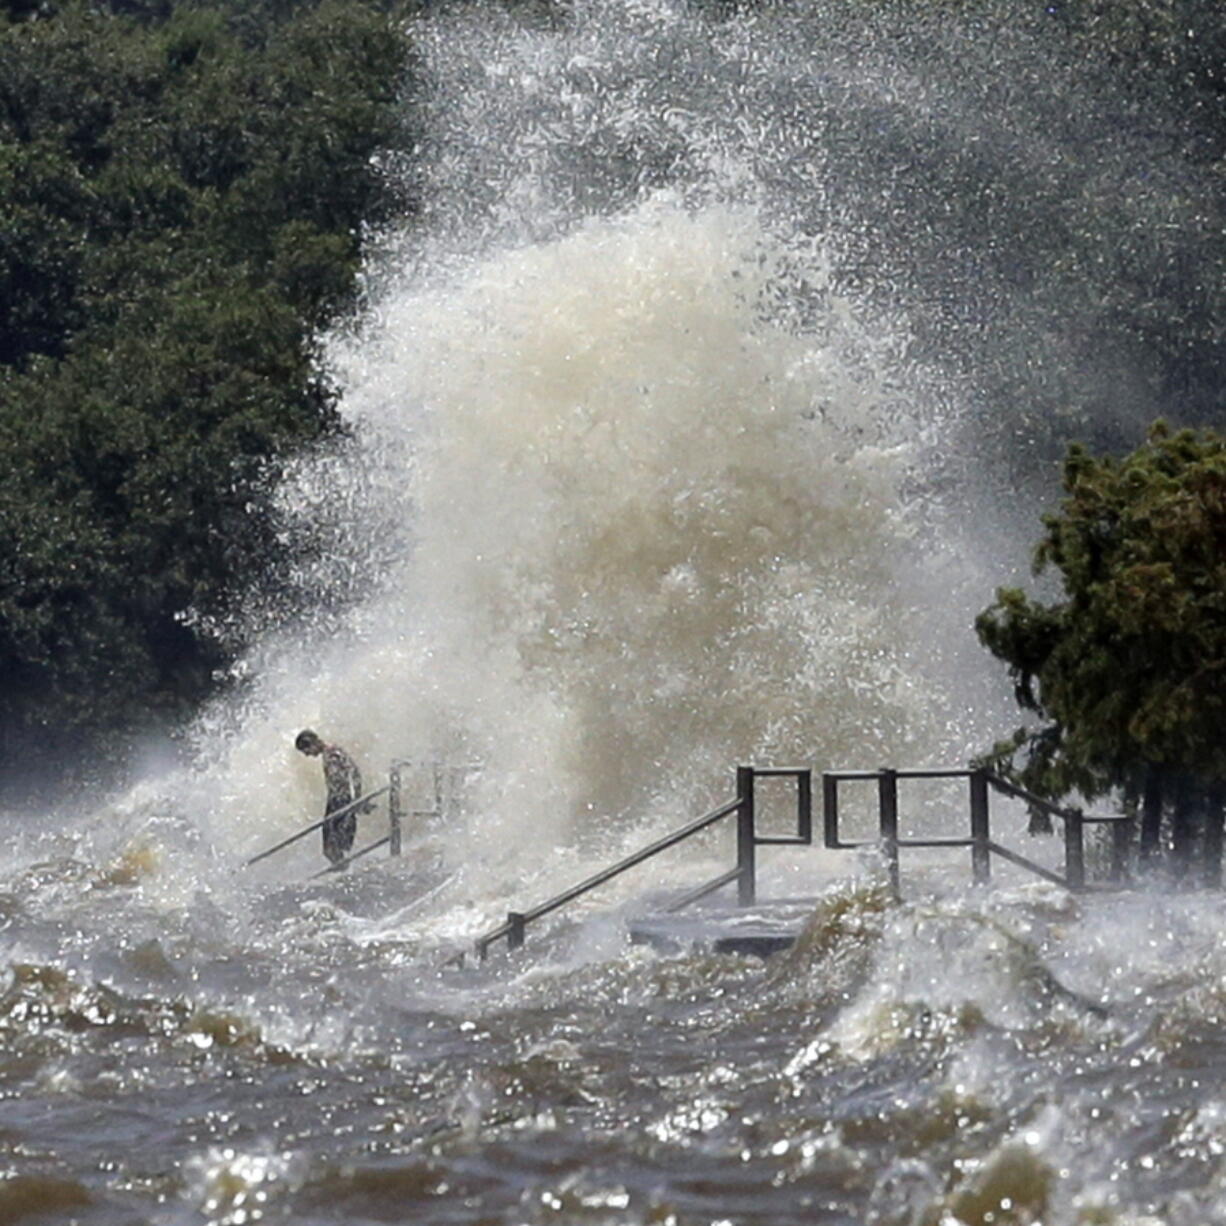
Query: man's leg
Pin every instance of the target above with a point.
(338, 835)
(346, 828)
(334, 845)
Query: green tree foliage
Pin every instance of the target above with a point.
(1127, 672)
(183, 193)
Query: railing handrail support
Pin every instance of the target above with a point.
(329, 817)
(887, 800)
(394, 811)
(981, 829)
(746, 844)
(1074, 852)
(513, 929)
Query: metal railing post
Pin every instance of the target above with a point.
(746, 849)
(394, 812)
(887, 798)
(1074, 851)
(804, 807)
(515, 929)
(1121, 843)
(1151, 817)
(830, 810)
(981, 831)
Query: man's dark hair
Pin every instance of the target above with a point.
(307, 739)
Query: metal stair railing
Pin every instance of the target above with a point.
(982, 846)
(979, 841)
(517, 921)
(514, 928)
(1075, 822)
(396, 812)
(353, 806)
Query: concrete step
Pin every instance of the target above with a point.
(761, 930)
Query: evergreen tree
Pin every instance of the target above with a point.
(1127, 672)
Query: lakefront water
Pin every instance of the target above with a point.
(716, 389)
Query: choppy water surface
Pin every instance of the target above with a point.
(711, 398)
(1012, 1057)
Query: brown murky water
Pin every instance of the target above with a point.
(1009, 1057)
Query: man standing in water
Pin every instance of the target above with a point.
(344, 784)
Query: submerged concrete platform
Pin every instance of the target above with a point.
(761, 930)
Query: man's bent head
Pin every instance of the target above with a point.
(309, 743)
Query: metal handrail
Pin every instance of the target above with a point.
(395, 813)
(890, 840)
(716, 883)
(744, 874)
(331, 817)
(357, 855)
(924, 772)
(512, 930)
(980, 842)
(1025, 862)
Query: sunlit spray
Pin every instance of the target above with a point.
(653, 534)
(657, 489)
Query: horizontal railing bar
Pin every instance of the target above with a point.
(997, 781)
(851, 845)
(301, 834)
(703, 890)
(357, 855)
(1023, 862)
(783, 840)
(560, 900)
(936, 772)
(777, 772)
(615, 870)
(921, 772)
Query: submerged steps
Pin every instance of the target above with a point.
(761, 930)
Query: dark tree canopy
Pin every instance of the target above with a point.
(1126, 673)
(183, 192)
